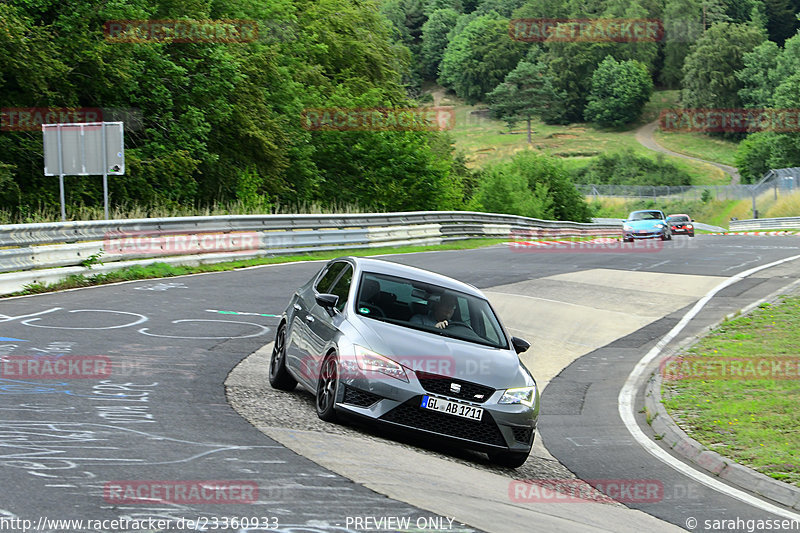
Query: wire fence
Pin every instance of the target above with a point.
(780, 181)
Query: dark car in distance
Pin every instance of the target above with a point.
(681, 224)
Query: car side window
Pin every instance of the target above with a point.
(341, 287)
(326, 281)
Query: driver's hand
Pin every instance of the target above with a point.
(442, 324)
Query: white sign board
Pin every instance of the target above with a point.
(84, 149)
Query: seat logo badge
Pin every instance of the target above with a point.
(455, 387)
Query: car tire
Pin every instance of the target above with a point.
(279, 377)
(627, 240)
(508, 459)
(327, 386)
(691, 234)
(664, 237)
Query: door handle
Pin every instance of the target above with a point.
(309, 318)
(297, 307)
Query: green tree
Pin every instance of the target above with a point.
(526, 92)
(782, 21)
(620, 90)
(753, 155)
(501, 191)
(543, 171)
(431, 6)
(682, 27)
(549, 193)
(708, 80)
(387, 171)
(504, 8)
(478, 58)
(714, 11)
(757, 75)
(626, 167)
(573, 63)
(434, 40)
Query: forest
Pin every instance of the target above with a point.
(221, 121)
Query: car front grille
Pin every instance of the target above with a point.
(413, 415)
(522, 434)
(438, 384)
(359, 397)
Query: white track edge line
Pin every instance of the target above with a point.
(628, 393)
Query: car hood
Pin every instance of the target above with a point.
(643, 224)
(419, 350)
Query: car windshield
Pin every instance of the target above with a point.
(645, 215)
(679, 218)
(418, 305)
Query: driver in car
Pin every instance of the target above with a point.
(439, 315)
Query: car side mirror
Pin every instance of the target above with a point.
(520, 345)
(327, 302)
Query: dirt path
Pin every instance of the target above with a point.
(644, 135)
(438, 94)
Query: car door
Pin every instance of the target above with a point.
(302, 339)
(320, 325)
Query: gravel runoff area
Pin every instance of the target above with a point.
(248, 391)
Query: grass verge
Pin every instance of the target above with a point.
(485, 140)
(163, 270)
(752, 421)
(699, 145)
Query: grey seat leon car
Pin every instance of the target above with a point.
(410, 349)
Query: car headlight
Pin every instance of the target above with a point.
(369, 361)
(626, 227)
(523, 395)
(659, 225)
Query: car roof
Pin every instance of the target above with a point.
(678, 215)
(647, 211)
(390, 268)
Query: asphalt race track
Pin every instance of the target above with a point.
(162, 414)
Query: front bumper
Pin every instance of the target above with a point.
(642, 234)
(398, 405)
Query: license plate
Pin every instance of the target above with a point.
(452, 408)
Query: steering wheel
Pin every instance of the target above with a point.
(371, 309)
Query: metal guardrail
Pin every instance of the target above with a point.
(47, 252)
(752, 224)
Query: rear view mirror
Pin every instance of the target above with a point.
(520, 345)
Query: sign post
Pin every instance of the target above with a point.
(84, 149)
